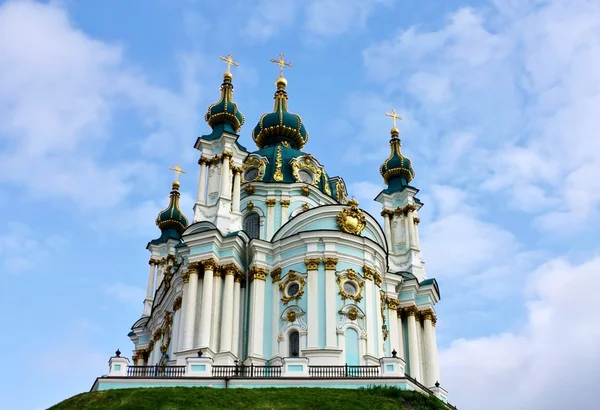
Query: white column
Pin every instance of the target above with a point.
(202, 182)
(387, 217)
(228, 309)
(257, 319)
(368, 274)
(416, 221)
(378, 316)
(413, 346)
(190, 304)
(159, 272)
(275, 275)
(198, 314)
(150, 288)
(312, 265)
(237, 182)
(400, 347)
(285, 203)
(182, 320)
(270, 218)
(235, 334)
(206, 312)
(411, 227)
(215, 334)
(430, 349)
(330, 308)
(393, 320)
(177, 324)
(225, 193)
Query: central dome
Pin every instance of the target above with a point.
(280, 125)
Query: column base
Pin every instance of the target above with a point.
(257, 361)
(323, 357)
(225, 359)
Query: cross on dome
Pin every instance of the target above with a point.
(394, 116)
(177, 171)
(229, 61)
(281, 62)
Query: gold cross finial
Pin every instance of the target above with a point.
(394, 116)
(281, 62)
(229, 62)
(177, 172)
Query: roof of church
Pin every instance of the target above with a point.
(280, 125)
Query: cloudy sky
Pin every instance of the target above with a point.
(500, 101)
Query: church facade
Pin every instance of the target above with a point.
(278, 267)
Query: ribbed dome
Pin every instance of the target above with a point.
(225, 110)
(172, 217)
(280, 125)
(397, 170)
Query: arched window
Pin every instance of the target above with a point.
(294, 344)
(252, 225)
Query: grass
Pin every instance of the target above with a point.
(174, 398)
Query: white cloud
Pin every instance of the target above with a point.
(520, 78)
(59, 91)
(268, 18)
(128, 294)
(550, 363)
(335, 17)
(23, 250)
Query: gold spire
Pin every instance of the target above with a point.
(229, 61)
(281, 62)
(395, 117)
(177, 171)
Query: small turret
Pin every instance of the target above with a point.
(397, 170)
(225, 113)
(171, 221)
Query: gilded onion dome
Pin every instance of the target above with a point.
(225, 111)
(280, 125)
(171, 218)
(397, 170)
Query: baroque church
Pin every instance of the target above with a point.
(279, 276)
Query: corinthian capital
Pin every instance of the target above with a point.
(312, 263)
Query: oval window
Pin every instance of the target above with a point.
(293, 289)
(350, 288)
(251, 174)
(305, 176)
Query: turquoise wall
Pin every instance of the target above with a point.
(351, 349)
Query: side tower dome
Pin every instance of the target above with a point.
(225, 112)
(171, 221)
(397, 170)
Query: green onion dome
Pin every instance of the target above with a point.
(225, 111)
(280, 125)
(171, 218)
(397, 170)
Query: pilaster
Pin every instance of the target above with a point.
(312, 266)
(414, 361)
(207, 296)
(257, 319)
(330, 307)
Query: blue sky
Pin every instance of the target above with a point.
(500, 104)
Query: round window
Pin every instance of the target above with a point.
(350, 288)
(293, 289)
(251, 174)
(305, 176)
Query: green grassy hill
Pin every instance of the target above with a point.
(173, 398)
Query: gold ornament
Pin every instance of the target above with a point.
(312, 263)
(291, 316)
(351, 220)
(330, 263)
(305, 207)
(270, 202)
(352, 313)
(177, 303)
(278, 175)
(276, 274)
(285, 203)
(292, 276)
(250, 206)
(252, 161)
(249, 189)
(257, 273)
(368, 273)
(210, 264)
(305, 190)
(350, 276)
